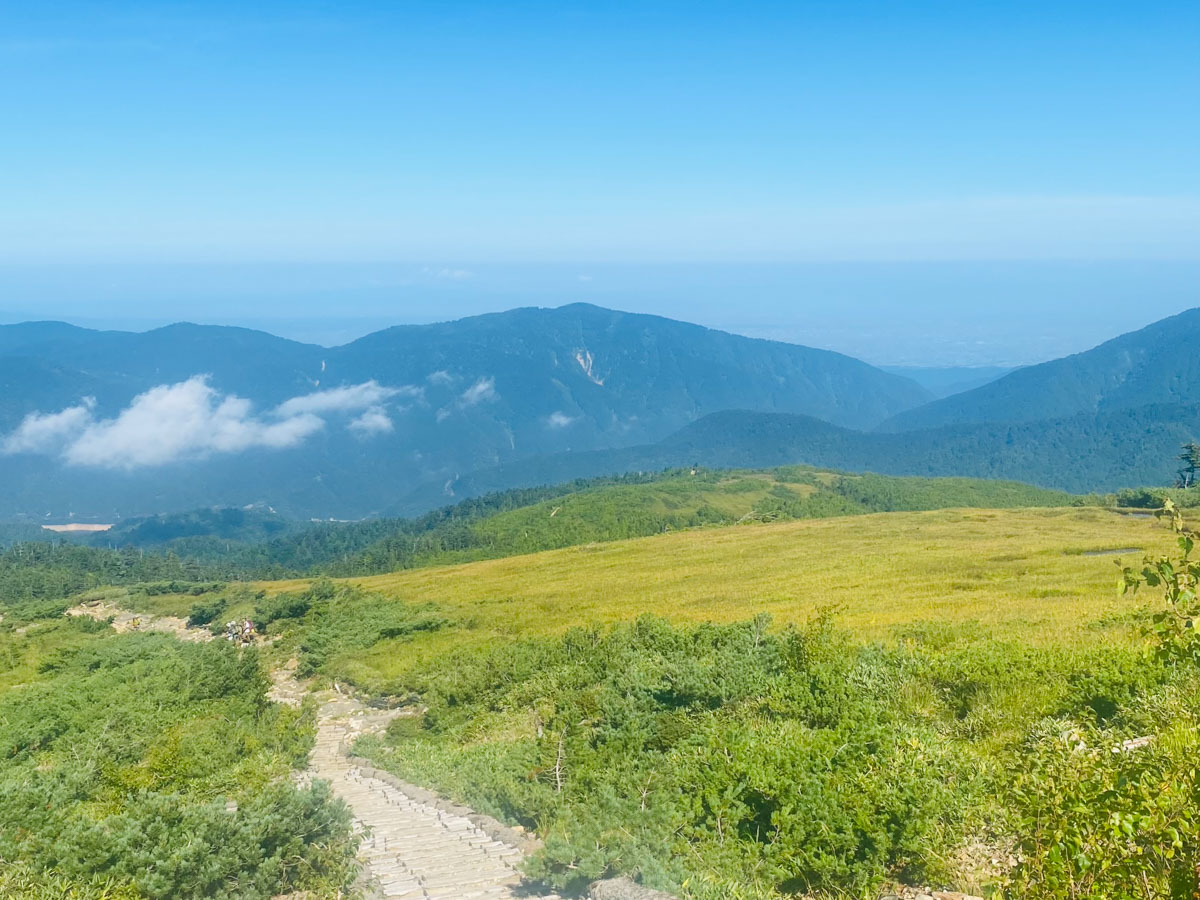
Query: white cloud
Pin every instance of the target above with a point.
(345, 399)
(374, 421)
(188, 420)
(48, 432)
(441, 376)
(559, 419)
(481, 390)
(192, 420)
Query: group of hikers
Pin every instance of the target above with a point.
(243, 634)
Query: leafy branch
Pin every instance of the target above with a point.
(1174, 626)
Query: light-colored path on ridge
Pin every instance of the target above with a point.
(411, 850)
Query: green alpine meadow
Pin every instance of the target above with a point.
(599, 451)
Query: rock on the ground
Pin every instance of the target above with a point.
(624, 889)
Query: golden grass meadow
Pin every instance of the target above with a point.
(1039, 576)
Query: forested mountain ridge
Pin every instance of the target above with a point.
(1155, 365)
(643, 363)
(411, 418)
(440, 400)
(652, 364)
(1083, 453)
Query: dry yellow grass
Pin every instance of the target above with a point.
(1020, 574)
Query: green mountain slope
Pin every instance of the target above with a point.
(1085, 453)
(217, 527)
(605, 509)
(686, 498)
(1156, 365)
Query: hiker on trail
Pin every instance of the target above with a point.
(231, 630)
(247, 631)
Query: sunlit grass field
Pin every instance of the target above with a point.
(1037, 576)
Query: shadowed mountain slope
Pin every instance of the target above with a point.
(1156, 365)
(1084, 453)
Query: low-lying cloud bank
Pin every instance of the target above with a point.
(192, 420)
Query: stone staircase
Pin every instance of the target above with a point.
(415, 846)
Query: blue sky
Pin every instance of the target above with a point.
(155, 138)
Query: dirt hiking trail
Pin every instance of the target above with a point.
(415, 846)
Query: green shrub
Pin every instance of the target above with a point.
(206, 611)
(196, 589)
(778, 759)
(352, 621)
(1096, 821)
(120, 755)
(293, 605)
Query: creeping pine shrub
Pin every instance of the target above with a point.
(293, 605)
(33, 610)
(117, 762)
(195, 588)
(353, 621)
(725, 752)
(334, 620)
(205, 611)
(169, 850)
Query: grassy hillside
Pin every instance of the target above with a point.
(1016, 574)
(683, 498)
(684, 707)
(812, 707)
(232, 543)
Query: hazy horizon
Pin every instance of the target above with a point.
(913, 314)
(940, 185)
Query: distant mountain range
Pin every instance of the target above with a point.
(942, 381)
(1157, 365)
(415, 417)
(1082, 454)
(346, 431)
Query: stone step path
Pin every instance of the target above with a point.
(411, 848)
